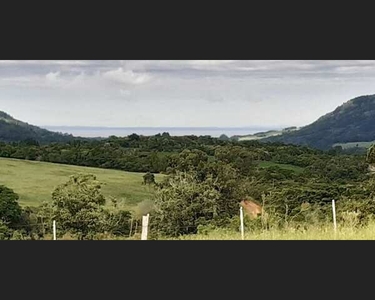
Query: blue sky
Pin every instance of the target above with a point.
(229, 93)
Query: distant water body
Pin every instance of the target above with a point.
(149, 131)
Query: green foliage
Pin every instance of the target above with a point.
(5, 231)
(10, 210)
(78, 207)
(207, 194)
(116, 222)
(188, 160)
(149, 178)
(224, 137)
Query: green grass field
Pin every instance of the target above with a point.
(34, 181)
(267, 164)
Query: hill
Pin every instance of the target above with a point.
(35, 181)
(352, 122)
(12, 130)
(262, 135)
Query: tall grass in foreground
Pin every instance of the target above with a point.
(313, 233)
(325, 232)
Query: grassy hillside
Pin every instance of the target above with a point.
(354, 121)
(263, 135)
(35, 181)
(258, 136)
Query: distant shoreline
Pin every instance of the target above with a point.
(88, 131)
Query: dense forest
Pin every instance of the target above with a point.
(157, 153)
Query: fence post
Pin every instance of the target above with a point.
(334, 215)
(145, 227)
(54, 230)
(241, 219)
(131, 227)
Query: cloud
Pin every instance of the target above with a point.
(53, 76)
(356, 69)
(208, 64)
(137, 72)
(128, 77)
(246, 68)
(125, 93)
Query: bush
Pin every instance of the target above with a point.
(148, 178)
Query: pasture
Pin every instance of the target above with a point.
(34, 181)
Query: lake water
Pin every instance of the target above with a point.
(148, 131)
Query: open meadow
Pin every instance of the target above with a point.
(34, 181)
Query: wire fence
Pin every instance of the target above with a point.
(132, 228)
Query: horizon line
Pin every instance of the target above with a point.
(172, 127)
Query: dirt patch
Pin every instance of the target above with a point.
(251, 208)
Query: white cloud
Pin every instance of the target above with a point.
(204, 64)
(355, 69)
(53, 76)
(125, 93)
(127, 77)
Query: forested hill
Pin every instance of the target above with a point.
(354, 121)
(12, 130)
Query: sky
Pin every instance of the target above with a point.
(180, 93)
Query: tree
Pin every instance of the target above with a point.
(10, 210)
(134, 137)
(78, 205)
(78, 208)
(183, 204)
(224, 137)
(188, 160)
(148, 178)
(5, 231)
(186, 200)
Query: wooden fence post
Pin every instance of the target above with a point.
(241, 219)
(334, 215)
(145, 227)
(54, 230)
